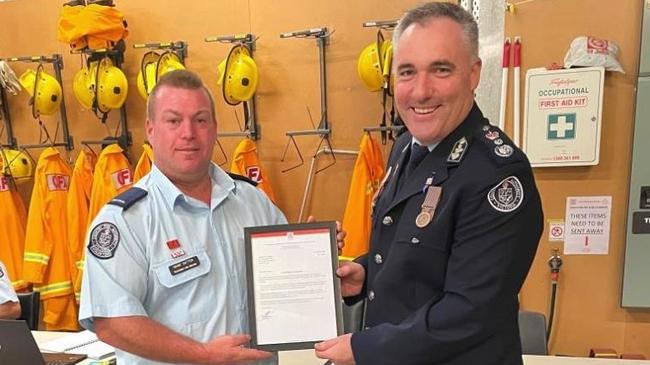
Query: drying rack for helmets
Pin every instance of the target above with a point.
(176, 51)
(323, 130)
(4, 115)
(57, 63)
(116, 55)
(387, 130)
(178, 47)
(251, 129)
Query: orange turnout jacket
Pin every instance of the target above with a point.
(112, 176)
(12, 231)
(95, 26)
(77, 211)
(245, 162)
(366, 177)
(144, 163)
(47, 258)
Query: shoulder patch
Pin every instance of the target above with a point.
(242, 178)
(507, 195)
(128, 198)
(104, 239)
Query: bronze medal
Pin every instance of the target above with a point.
(423, 219)
(429, 205)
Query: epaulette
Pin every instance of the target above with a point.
(242, 178)
(498, 144)
(458, 151)
(128, 198)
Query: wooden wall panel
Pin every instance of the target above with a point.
(588, 312)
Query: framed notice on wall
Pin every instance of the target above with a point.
(562, 116)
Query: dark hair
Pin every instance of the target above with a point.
(425, 12)
(181, 79)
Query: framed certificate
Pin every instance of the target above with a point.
(294, 294)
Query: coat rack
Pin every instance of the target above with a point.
(251, 128)
(57, 63)
(323, 130)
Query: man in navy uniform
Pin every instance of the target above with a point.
(457, 221)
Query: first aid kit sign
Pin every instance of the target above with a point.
(563, 116)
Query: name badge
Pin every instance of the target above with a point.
(184, 265)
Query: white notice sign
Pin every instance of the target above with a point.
(563, 116)
(587, 225)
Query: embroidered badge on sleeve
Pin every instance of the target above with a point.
(104, 239)
(507, 195)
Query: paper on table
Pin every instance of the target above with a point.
(84, 343)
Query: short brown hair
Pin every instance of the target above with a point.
(181, 79)
(423, 13)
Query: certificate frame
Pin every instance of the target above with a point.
(262, 268)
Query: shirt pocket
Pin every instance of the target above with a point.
(178, 271)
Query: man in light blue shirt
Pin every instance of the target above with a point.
(9, 305)
(165, 274)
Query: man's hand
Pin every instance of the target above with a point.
(147, 338)
(340, 233)
(231, 350)
(337, 350)
(352, 276)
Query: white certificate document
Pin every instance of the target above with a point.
(294, 294)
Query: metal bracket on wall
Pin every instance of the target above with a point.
(4, 115)
(251, 128)
(57, 63)
(323, 130)
(381, 24)
(178, 47)
(386, 132)
(116, 55)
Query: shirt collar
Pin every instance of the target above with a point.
(429, 146)
(222, 185)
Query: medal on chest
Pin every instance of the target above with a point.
(428, 207)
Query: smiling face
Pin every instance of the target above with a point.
(435, 78)
(182, 132)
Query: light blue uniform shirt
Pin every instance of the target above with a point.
(7, 293)
(201, 302)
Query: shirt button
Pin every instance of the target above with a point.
(378, 259)
(371, 296)
(415, 240)
(387, 221)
